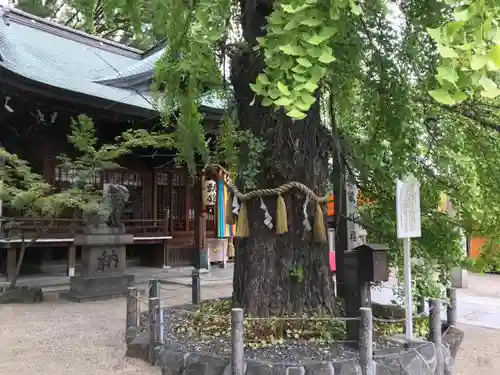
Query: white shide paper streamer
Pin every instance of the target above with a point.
(307, 224)
(268, 219)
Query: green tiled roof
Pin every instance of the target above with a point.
(71, 60)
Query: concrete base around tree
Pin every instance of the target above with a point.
(415, 357)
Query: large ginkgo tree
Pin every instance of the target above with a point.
(377, 89)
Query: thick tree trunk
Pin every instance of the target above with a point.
(276, 274)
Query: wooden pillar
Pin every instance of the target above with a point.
(71, 260)
(11, 262)
(165, 244)
(200, 230)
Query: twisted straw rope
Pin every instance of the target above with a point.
(268, 192)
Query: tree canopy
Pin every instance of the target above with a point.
(400, 87)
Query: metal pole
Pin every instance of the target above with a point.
(366, 341)
(408, 295)
(195, 287)
(237, 343)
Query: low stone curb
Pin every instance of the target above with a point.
(420, 359)
(417, 357)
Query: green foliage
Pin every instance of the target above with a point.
(249, 165)
(297, 52)
(420, 328)
(25, 191)
(212, 319)
(373, 77)
(297, 274)
(469, 47)
(114, 20)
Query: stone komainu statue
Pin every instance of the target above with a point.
(117, 196)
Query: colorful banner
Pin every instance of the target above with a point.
(223, 230)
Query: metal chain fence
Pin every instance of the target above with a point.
(283, 341)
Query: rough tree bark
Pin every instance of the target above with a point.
(264, 281)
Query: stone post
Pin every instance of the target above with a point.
(237, 342)
(11, 262)
(155, 318)
(435, 321)
(366, 341)
(132, 314)
(451, 310)
(421, 305)
(195, 287)
(71, 260)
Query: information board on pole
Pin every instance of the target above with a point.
(408, 226)
(408, 208)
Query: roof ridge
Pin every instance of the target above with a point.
(66, 31)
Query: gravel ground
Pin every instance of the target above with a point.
(480, 351)
(57, 337)
(62, 338)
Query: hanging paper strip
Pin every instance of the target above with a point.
(223, 229)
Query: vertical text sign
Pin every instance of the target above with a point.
(408, 208)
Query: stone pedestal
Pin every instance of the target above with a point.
(103, 266)
(459, 278)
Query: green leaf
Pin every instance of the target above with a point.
(263, 79)
(296, 114)
(314, 52)
(478, 61)
(490, 88)
(435, 34)
(292, 50)
(494, 55)
(462, 15)
(447, 52)
(326, 57)
(453, 27)
(317, 72)
(304, 62)
(459, 97)
(311, 22)
(299, 78)
(274, 93)
(442, 96)
(283, 102)
(310, 86)
(447, 74)
(299, 69)
(283, 89)
(323, 35)
(288, 8)
(257, 88)
(301, 105)
(275, 18)
(308, 99)
(266, 102)
(292, 24)
(355, 8)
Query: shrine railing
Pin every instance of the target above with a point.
(66, 228)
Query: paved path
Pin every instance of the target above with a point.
(478, 305)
